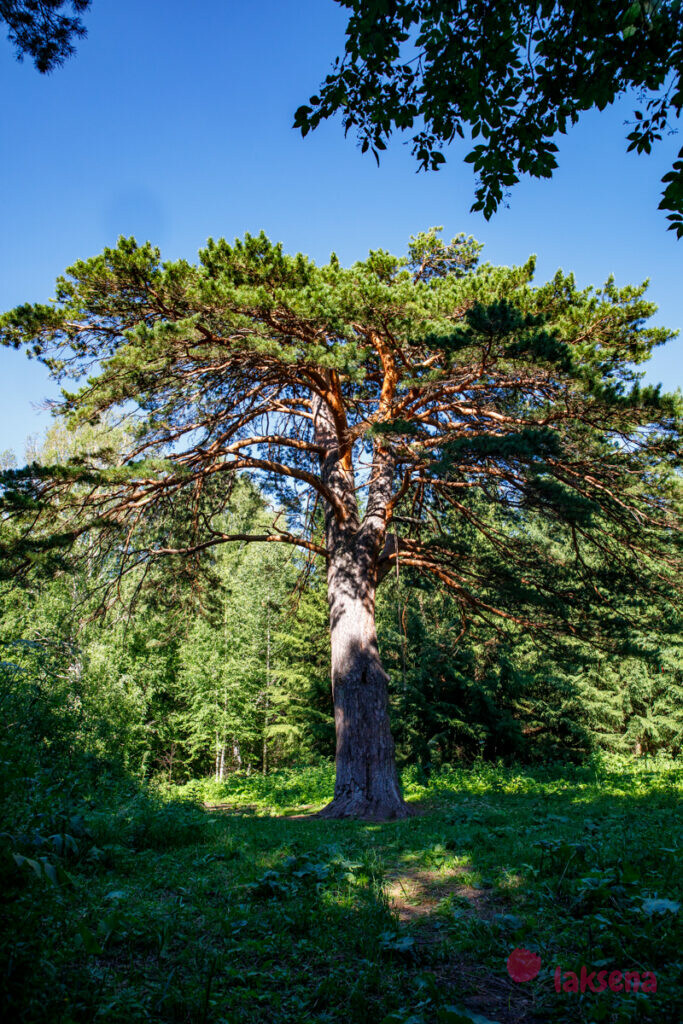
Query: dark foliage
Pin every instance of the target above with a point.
(39, 29)
(510, 75)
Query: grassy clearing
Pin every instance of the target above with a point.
(139, 907)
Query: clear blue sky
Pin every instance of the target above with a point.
(173, 123)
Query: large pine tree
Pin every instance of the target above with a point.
(395, 396)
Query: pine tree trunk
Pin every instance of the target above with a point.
(367, 783)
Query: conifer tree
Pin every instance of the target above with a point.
(231, 658)
(396, 396)
(41, 30)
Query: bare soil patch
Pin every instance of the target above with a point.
(416, 896)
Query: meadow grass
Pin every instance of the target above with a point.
(131, 906)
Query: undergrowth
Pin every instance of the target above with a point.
(124, 905)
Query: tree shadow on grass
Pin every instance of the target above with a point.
(252, 917)
(561, 867)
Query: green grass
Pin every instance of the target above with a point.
(148, 907)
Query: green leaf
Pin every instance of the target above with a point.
(42, 868)
(660, 906)
(34, 865)
(397, 943)
(50, 872)
(632, 13)
(90, 942)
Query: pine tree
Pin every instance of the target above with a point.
(39, 29)
(398, 396)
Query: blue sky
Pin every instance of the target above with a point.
(173, 123)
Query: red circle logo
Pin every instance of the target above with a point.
(523, 965)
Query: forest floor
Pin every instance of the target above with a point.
(234, 904)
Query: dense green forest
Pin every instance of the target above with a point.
(226, 668)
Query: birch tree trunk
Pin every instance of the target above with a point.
(236, 752)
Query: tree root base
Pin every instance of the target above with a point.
(365, 810)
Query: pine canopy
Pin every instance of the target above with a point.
(420, 399)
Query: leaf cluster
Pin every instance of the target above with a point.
(511, 74)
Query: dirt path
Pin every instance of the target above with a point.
(421, 899)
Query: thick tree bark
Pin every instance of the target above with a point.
(367, 783)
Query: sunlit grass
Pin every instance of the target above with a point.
(166, 911)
